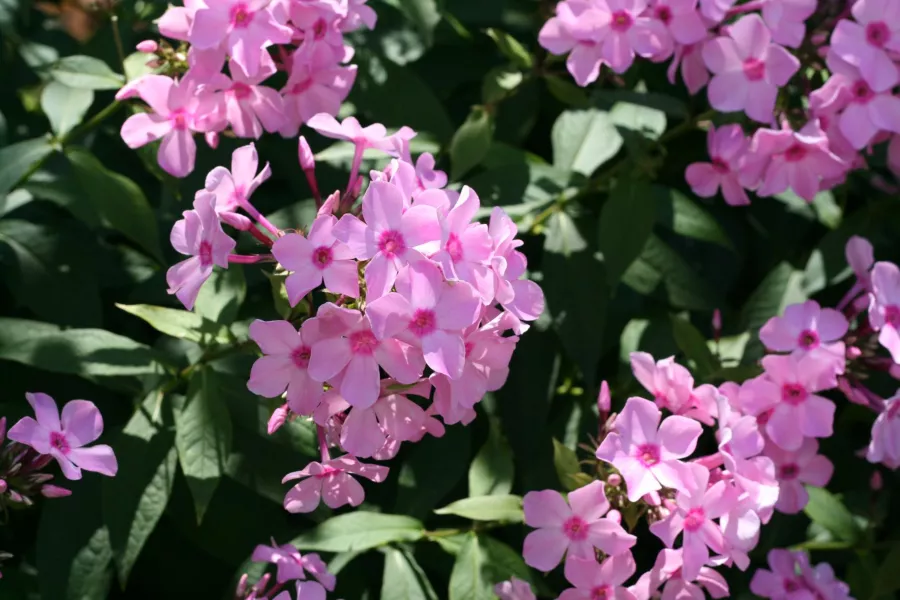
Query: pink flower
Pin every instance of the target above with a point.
(514, 589)
(594, 580)
(646, 453)
(715, 10)
(292, 565)
(250, 107)
(884, 447)
(392, 235)
(667, 573)
(200, 236)
(317, 258)
(233, 188)
(176, 22)
(330, 481)
(670, 383)
(681, 19)
(785, 399)
(785, 581)
(867, 111)
(523, 298)
(179, 109)
(697, 504)
(65, 437)
(727, 148)
(860, 256)
(748, 69)
(884, 306)
(349, 354)
(786, 20)
(245, 27)
(578, 529)
(430, 313)
(803, 327)
(285, 364)
(372, 136)
(693, 70)
(866, 43)
(314, 88)
(794, 469)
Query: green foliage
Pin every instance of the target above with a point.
(506, 508)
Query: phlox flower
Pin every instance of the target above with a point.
(523, 298)
(803, 327)
(577, 526)
(884, 447)
(391, 236)
(670, 383)
(785, 580)
(786, 20)
(316, 258)
(866, 42)
(251, 107)
(823, 583)
(314, 87)
(728, 148)
(867, 110)
(430, 313)
(646, 452)
(860, 256)
(884, 306)
(285, 364)
(797, 469)
(199, 235)
(65, 436)
(697, 504)
(233, 188)
(748, 69)
(330, 482)
(667, 573)
(681, 20)
(371, 136)
(291, 565)
(599, 580)
(689, 58)
(514, 589)
(429, 177)
(740, 530)
(176, 22)
(715, 10)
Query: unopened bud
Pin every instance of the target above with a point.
(853, 352)
(238, 221)
(877, 481)
(3, 486)
(330, 205)
(40, 462)
(819, 38)
(262, 584)
(212, 139)
(307, 161)
(241, 590)
(277, 419)
(717, 323)
(614, 480)
(614, 516)
(651, 498)
(2, 429)
(147, 47)
(54, 491)
(604, 400)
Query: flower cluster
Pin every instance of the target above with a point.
(257, 39)
(291, 568)
(746, 55)
(408, 296)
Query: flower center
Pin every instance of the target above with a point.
(601, 592)
(621, 21)
(664, 14)
(363, 342)
(300, 356)
(795, 153)
(694, 519)
(322, 257)
(793, 393)
(58, 441)
(470, 345)
(241, 15)
(893, 410)
(792, 585)
(391, 243)
(892, 315)
(301, 87)
(648, 454)
(788, 471)
(878, 34)
(808, 339)
(423, 322)
(240, 90)
(862, 92)
(763, 417)
(179, 120)
(205, 253)
(754, 69)
(720, 166)
(327, 472)
(575, 528)
(319, 28)
(454, 248)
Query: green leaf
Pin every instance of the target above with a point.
(18, 159)
(827, 510)
(649, 122)
(85, 72)
(567, 92)
(471, 142)
(358, 531)
(180, 324)
(507, 508)
(433, 468)
(404, 578)
(491, 471)
(137, 64)
(659, 269)
(203, 438)
(424, 14)
(626, 222)
(119, 201)
(687, 218)
(583, 140)
(482, 563)
(693, 344)
(888, 579)
(667, 104)
(85, 352)
(562, 235)
(136, 498)
(511, 48)
(222, 295)
(567, 468)
(65, 106)
(499, 83)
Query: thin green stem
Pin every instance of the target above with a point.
(120, 48)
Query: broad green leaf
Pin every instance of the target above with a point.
(827, 510)
(85, 72)
(424, 14)
(221, 296)
(626, 222)
(685, 217)
(567, 92)
(203, 438)
(18, 159)
(471, 142)
(667, 104)
(583, 140)
(511, 48)
(359, 530)
(567, 468)
(888, 579)
(694, 346)
(85, 352)
(781, 287)
(499, 83)
(647, 121)
(404, 578)
(119, 201)
(507, 508)
(521, 188)
(491, 471)
(482, 563)
(137, 64)
(562, 235)
(135, 499)
(432, 469)
(65, 106)
(660, 270)
(180, 324)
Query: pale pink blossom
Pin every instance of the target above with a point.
(594, 580)
(314, 88)
(786, 20)
(728, 148)
(785, 580)
(670, 383)
(233, 188)
(860, 256)
(667, 574)
(285, 364)
(65, 436)
(330, 482)
(646, 452)
(884, 447)
(250, 107)
(867, 111)
(681, 20)
(372, 136)
(803, 327)
(867, 42)
(795, 470)
(689, 58)
(523, 298)
(884, 306)
(577, 526)
(514, 589)
(291, 565)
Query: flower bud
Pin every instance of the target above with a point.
(818, 38)
(2, 429)
(241, 590)
(54, 491)
(604, 400)
(614, 480)
(212, 139)
(853, 352)
(277, 419)
(651, 498)
(147, 47)
(717, 323)
(3, 486)
(238, 221)
(876, 482)
(307, 161)
(614, 516)
(330, 204)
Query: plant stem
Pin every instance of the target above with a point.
(120, 48)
